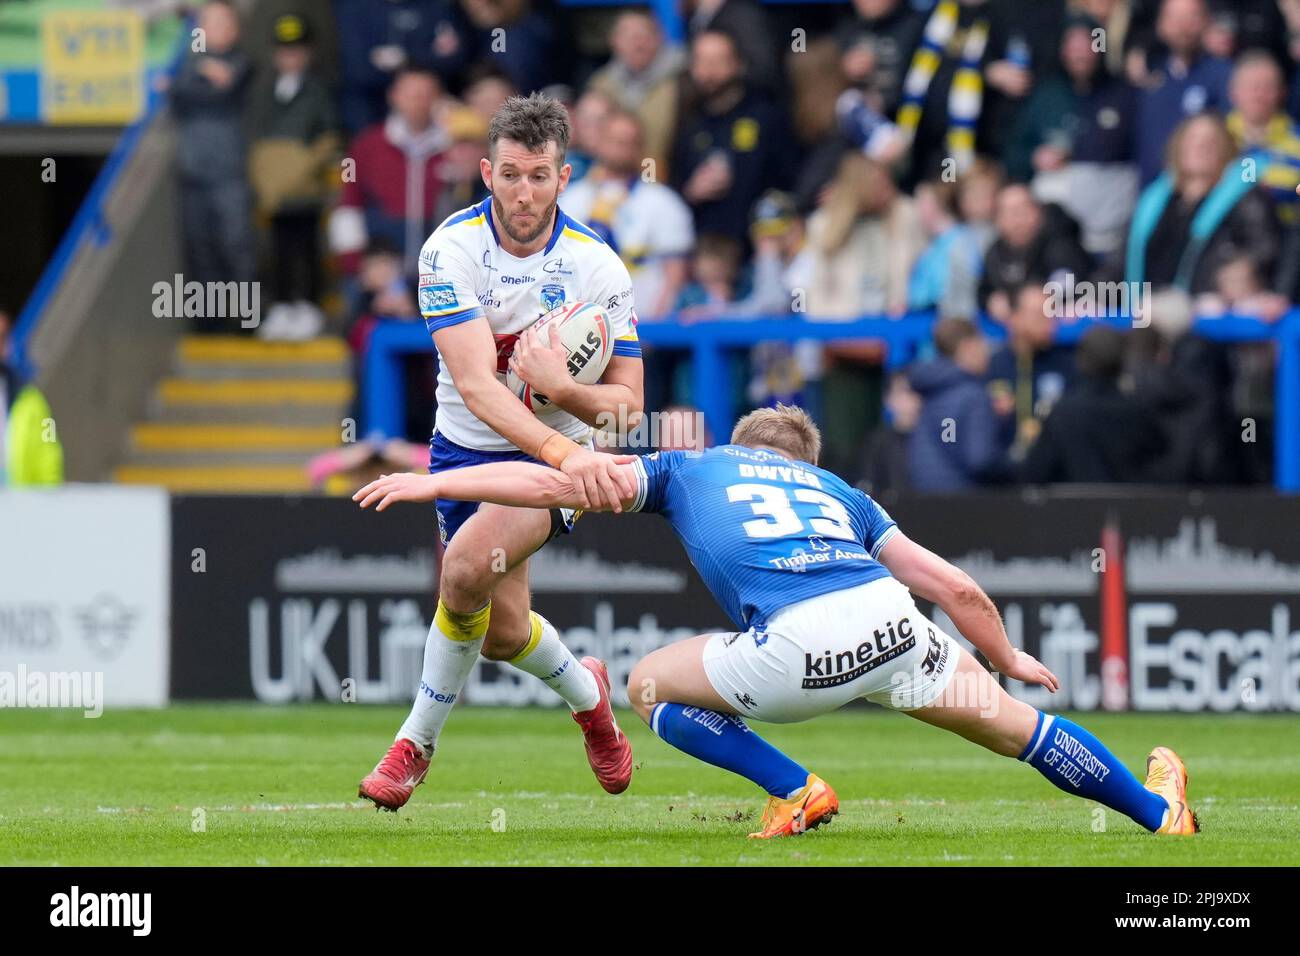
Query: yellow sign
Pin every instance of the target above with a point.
(93, 66)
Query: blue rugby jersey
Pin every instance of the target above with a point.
(763, 531)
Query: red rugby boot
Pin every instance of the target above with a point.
(608, 751)
(390, 784)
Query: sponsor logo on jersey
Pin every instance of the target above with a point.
(516, 280)
(614, 300)
(438, 298)
(833, 669)
(488, 301)
(552, 296)
(555, 267)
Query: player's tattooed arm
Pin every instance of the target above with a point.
(516, 483)
(926, 574)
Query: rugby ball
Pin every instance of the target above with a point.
(583, 328)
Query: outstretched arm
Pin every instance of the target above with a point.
(925, 573)
(517, 483)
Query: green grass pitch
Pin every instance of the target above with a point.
(247, 785)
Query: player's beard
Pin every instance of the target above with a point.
(544, 221)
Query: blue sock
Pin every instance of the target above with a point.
(726, 741)
(1079, 763)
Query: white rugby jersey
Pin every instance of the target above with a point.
(465, 274)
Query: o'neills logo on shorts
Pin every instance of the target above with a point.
(831, 670)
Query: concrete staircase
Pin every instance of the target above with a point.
(239, 415)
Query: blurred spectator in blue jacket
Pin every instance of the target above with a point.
(525, 40)
(1181, 83)
(787, 372)
(954, 445)
(378, 38)
(946, 276)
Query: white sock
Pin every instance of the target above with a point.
(546, 658)
(449, 655)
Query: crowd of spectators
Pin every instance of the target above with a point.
(877, 157)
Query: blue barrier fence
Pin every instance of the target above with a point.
(709, 342)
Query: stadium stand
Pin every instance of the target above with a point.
(233, 409)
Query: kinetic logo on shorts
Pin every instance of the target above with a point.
(832, 670)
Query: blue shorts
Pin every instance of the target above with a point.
(445, 455)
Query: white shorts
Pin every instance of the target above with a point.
(815, 656)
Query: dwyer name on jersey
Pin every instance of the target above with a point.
(465, 274)
(764, 531)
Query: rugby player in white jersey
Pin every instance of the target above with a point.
(486, 274)
(817, 576)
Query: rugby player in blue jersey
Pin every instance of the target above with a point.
(817, 577)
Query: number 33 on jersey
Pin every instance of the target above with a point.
(789, 530)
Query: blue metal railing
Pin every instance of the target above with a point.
(709, 342)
